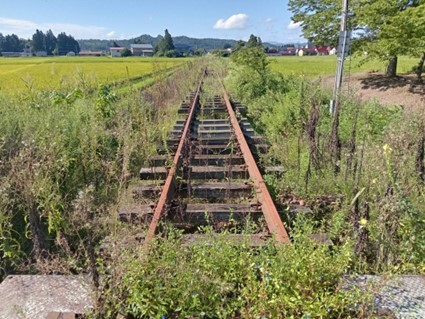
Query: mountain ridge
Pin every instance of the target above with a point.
(182, 43)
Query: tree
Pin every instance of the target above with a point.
(12, 43)
(319, 19)
(238, 45)
(126, 52)
(320, 23)
(254, 42)
(66, 44)
(39, 41)
(165, 47)
(255, 59)
(51, 42)
(379, 20)
(404, 33)
(199, 52)
(2, 39)
(227, 46)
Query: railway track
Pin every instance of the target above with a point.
(206, 173)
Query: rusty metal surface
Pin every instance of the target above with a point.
(169, 186)
(35, 296)
(271, 215)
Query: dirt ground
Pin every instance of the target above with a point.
(402, 90)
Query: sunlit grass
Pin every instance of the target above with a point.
(313, 66)
(20, 74)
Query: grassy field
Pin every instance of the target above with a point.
(313, 66)
(20, 74)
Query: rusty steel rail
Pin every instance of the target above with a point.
(274, 223)
(170, 183)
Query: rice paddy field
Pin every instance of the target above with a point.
(23, 74)
(314, 66)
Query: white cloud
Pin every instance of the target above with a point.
(294, 25)
(111, 35)
(26, 28)
(268, 20)
(236, 21)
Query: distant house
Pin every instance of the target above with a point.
(41, 53)
(90, 53)
(323, 50)
(288, 50)
(116, 51)
(141, 49)
(27, 52)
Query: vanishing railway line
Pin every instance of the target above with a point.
(206, 173)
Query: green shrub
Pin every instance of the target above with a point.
(217, 279)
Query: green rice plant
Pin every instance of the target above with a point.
(65, 72)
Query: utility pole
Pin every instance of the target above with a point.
(343, 46)
(335, 142)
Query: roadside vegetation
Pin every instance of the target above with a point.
(372, 193)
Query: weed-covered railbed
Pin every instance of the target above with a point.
(68, 155)
(363, 183)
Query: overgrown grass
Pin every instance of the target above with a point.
(66, 156)
(217, 279)
(373, 193)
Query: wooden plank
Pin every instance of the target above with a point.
(217, 190)
(218, 172)
(136, 213)
(153, 173)
(217, 160)
(143, 192)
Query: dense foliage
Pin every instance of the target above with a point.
(41, 42)
(383, 28)
(217, 279)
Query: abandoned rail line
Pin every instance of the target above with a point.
(206, 173)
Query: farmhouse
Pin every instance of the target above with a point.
(26, 53)
(116, 51)
(141, 49)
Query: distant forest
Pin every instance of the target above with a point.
(63, 44)
(181, 43)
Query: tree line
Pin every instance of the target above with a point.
(40, 42)
(384, 29)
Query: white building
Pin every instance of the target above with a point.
(141, 49)
(116, 51)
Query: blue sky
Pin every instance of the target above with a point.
(118, 19)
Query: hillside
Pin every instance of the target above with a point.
(182, 43)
